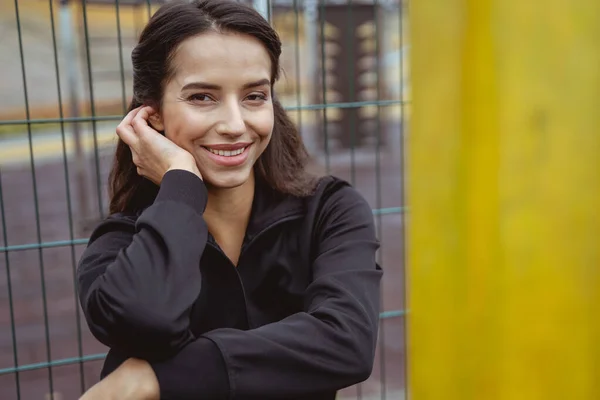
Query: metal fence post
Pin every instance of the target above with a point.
(70, 51)
(504, 193)
(263, 7)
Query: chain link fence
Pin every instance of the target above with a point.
(66, 82)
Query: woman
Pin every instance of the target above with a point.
(224, 269)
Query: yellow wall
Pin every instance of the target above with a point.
(504, 199)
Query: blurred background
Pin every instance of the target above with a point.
(476, 122)
(65, 82)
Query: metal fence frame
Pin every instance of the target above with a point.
(39, 245)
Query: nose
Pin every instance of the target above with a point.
(232, 120)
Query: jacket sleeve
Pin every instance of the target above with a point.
(138, 278)
(328, 346)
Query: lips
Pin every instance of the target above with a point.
(226, 153)
(227, 149)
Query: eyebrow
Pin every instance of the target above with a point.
(210, 86)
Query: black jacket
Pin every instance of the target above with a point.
(297, 319)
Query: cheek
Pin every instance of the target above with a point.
(184, 126)
(263, 124)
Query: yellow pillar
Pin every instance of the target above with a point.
(504, 199)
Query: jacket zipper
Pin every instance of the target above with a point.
(237, 274)
(243, 250)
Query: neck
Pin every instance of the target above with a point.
(230, 205)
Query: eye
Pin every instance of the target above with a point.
(200, 98)
(257, 97)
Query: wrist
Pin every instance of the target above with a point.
(139, 380)
(185, 165)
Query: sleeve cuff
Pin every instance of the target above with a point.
(183, 186)
(197, 372)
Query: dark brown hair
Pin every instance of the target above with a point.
(282, 164)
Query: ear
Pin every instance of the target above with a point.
(156, 121)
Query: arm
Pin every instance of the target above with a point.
(329, 346)
(137, 280)
(132, 380)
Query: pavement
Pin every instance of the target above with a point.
(50, 146)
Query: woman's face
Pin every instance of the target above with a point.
(218, 105)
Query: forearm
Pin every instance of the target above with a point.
(134, 379)
(329, 347)
(139, 297)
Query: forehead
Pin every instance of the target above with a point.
(221, 57)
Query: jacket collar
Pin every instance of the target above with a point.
(269, 207)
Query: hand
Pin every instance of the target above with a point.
(133, 380)
(153, 154)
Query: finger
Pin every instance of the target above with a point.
(149, 110)
(134, 157)
(140, 122)
(144, 113)
(127, 134)
(124, 129)
(130, 116)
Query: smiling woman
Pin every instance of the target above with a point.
(200, 62)
(224, 270)
(218, 106)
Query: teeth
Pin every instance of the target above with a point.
(227, 153)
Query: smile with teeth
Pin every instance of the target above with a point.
(227, 153)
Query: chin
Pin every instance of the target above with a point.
(227, 180)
